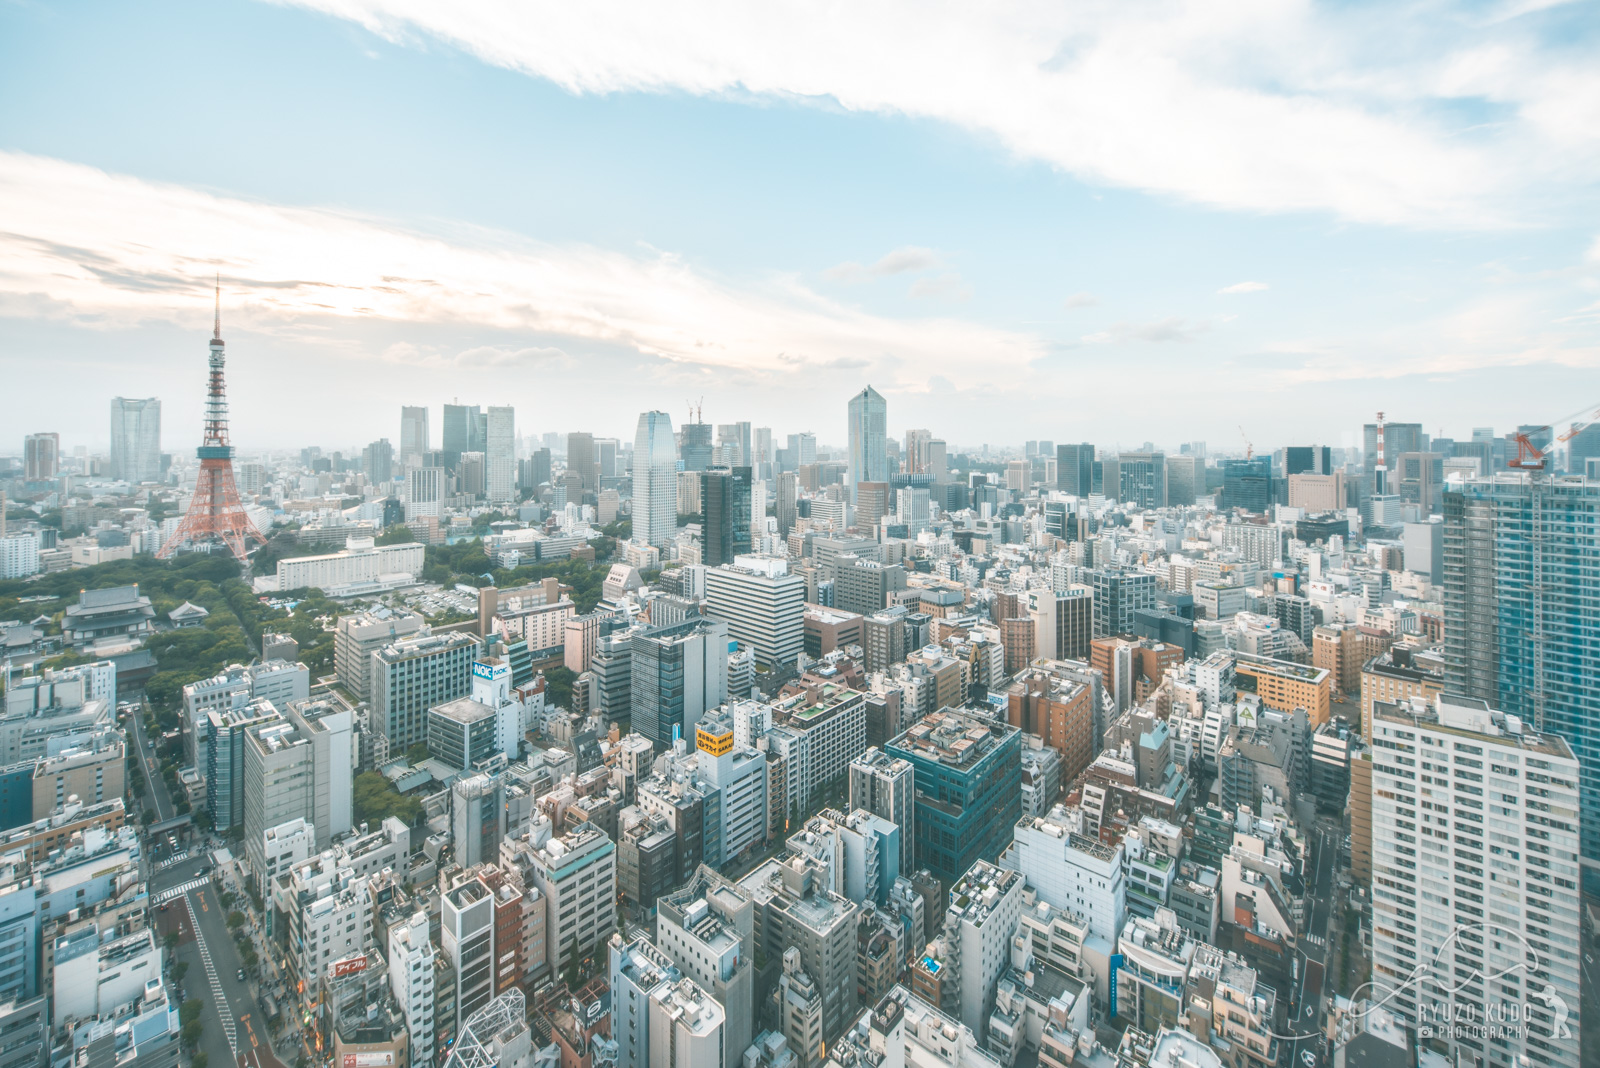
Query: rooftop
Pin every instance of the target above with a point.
(954, 738)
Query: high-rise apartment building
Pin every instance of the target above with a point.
(136, 439)
(41, 457)
(500, 455)
(1074, 468)
(869, 439)
(655, 480)
(413, 435)
(377, 461)
(1475, 881)
(1522, 610)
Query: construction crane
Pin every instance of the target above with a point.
(1531, 457)
(1249, 449)
(696, 411)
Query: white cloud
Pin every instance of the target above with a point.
(111, 251)
(1244, 287)
(900, 261)
(1171, 328)
(1255, 106)
(945, 287)
(1080, 300)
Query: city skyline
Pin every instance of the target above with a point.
(1412, 232)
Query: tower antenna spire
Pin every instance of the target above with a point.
(216, 329)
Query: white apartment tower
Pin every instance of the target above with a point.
(500, 446)
(1474, 875)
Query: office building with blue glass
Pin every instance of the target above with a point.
(1522, 616)
(967, 772)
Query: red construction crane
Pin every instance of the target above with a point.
(1532, 458)
(1249, 449)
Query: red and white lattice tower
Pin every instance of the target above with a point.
(215, 514)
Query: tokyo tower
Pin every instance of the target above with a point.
(215, 512)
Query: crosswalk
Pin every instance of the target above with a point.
(181, 889)
(223, 1012)
(176, 858)
(1316, 940)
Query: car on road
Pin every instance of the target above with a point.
(1308, 1058)
(241, 975)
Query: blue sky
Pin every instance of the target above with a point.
(1115, 223)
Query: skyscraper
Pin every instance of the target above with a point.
(917, 442)
(1074, 468)
(1522, 611)
(413, 435)
(788, 502)
(500, 454)
(583, 461)
(679, 673)
(1247, 484)
(869, 439)
(725, 504)
(460, 432)
(1491, 969)
(1397, 438)
(1309, 459)
(655, 480)
(1141, 479)
(136, 439)
(938, 463)
(41, 457)
(762, 457)
(377, 461)
(697, 448)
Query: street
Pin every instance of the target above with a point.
(234, 1025)
(1307, 1018)
(152, 773)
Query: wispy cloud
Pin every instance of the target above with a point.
(944, 287)
(1244, 287)
(286, 268)
(1080, 300)
(900, 261)
(1172, 328)
(1259, 106)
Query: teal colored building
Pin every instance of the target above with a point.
(967, 773)
(1522, 615)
